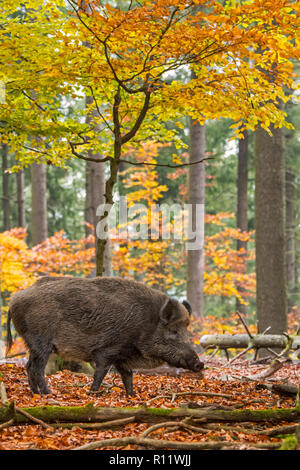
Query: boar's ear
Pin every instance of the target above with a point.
(187, 305)
(168, 312)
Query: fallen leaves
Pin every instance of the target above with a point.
(222, 387)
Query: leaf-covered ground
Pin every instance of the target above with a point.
(156, 390)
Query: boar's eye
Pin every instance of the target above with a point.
(174, 332)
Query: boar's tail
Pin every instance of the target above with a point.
(8, 334)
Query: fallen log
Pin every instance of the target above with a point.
(245, 341)
(283, 389)
(92, 414)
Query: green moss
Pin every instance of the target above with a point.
(159, 411)
(289, 443)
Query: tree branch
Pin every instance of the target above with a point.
(125, 138)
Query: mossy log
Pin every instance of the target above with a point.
(90, 413)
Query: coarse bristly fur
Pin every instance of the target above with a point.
(106, 321)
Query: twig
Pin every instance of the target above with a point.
(10, 356)
(245, 325)
(173, 395)
(240, 354)
(32, 418)
(288, 429)
(104, 425)
(172, 424)
(7, 424)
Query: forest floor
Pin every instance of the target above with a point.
(223, 386)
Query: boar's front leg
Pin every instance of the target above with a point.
(126, 376)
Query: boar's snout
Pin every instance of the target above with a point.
(194, 363)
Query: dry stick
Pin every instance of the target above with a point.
(10, 356)
(32, 418)
(7, 424)
(245, 325)
(240, 354)
(206, 394)
(5, 401)
(250, 336)
(163, 444)
(288, 429)
(179, 424)
(105, 424)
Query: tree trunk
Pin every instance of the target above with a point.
(195, 258)
(242, 204)
(290, 224)
(5, 188)
(271, 295)
(95, 190)
(39, 224)
(21, 201)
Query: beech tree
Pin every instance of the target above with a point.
(271, 294)
(39, 225)
(128, 71)
(195, 258)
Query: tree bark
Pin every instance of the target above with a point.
(95, 188)
(290, 225)
(271, 294)
(95, 195)
(242, 204)
(5, 188)
(39, 226)
(196, 258)
(21, 199)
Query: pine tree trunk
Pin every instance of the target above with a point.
(290, 225)
(271, 295)
(242, 203)
(5, 188)
(21, 200)
(195, 258)
(39, 226)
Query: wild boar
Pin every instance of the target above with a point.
(105, 321)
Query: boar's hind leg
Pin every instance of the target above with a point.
(35, 369)
(126, 376)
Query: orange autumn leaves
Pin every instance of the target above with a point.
(135, 51)
(226, 272)
(20, 265)
(160, 262)
(155, 261)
